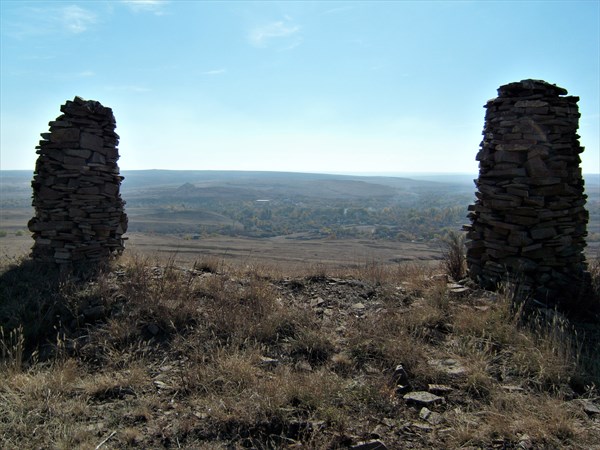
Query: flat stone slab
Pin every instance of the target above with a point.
(423, 398)
(431, 417)
(457, 289)
(591, 408)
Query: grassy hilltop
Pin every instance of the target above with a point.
(151, 354)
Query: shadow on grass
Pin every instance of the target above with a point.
(33, 302)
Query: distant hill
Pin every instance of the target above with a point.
(272, 203)
(16, 180)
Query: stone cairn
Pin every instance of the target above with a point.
(529, 220)
(79, 213)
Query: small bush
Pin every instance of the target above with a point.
(454, 255)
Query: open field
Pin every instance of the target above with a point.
(288, 250)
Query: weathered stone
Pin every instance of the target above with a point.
(502, 173)
(529, 215)
(458, 291)
(544, 181)
(431, 417)
(64, 135)
(504, 156)
(423, 398)
(536, 167)
(400, 377)
(530, 104)
(519, 239)
(91, 141)
(79, 212)
(268, 362)
(542, 233)
(591, 408)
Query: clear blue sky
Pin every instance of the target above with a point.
(294, 86)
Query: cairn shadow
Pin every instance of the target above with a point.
(35, 304)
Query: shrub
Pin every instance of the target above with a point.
(454, 255)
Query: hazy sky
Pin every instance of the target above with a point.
(294, 86)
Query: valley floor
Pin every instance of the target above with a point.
(290, 251)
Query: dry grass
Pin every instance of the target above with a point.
(454, 255)
(152, 355)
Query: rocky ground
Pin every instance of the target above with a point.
(153, 355)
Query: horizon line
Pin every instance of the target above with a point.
(349, 172)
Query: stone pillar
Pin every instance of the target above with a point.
(79, 213)
(529, 220)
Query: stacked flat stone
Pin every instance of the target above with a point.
(79, 213)
(529, 220)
